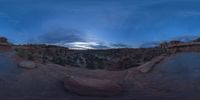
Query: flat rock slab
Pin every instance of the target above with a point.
(149, 65)
(27, 65)
(92, 87)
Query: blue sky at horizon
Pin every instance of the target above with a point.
(98, 23)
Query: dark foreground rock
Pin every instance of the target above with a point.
(91, 86)
(174, 78)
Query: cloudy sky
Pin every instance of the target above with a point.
(98, 23)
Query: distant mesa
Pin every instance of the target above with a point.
(4, 44)
(3, 41)
(196, 40)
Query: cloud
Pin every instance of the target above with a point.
(71, 38)
(83, 45)
(60, 35)
(101, 46)
(150, 45)
(91, 45)
(186, 38)
(119, 45)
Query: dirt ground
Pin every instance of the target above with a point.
(172, 79)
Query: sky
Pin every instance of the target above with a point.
(94, 24)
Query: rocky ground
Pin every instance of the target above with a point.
(165, 75)
(172, 79)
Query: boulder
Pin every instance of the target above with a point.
(27, 64)
(91, 86)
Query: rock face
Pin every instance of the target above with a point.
(27, 64)
(176, 77)
(91, 86)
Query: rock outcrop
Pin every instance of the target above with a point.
(4, 44)
(175, 78)
(149, 65)
(3, 41)
(92, 87)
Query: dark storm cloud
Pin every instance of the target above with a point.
(62, 35)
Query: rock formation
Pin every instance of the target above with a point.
(149, 65)
(138, 74)
(3, 40)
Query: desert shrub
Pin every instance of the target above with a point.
(25, 54)
(58, 60)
